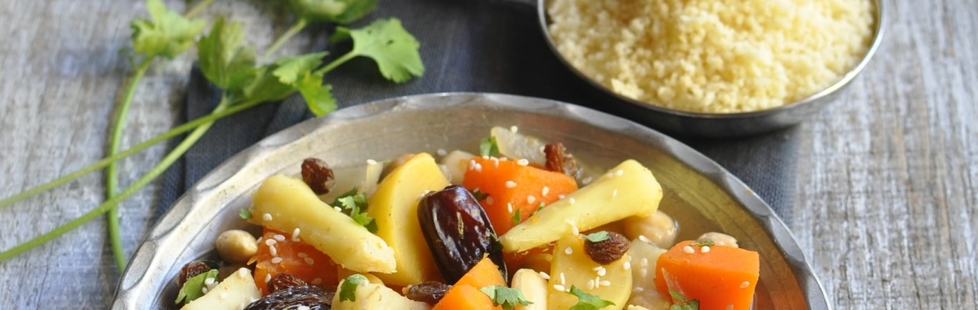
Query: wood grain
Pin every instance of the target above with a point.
(887, 181)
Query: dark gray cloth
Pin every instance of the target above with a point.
(466, 45)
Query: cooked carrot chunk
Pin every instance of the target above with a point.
(719, 277)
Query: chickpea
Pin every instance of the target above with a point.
(719, 239)
(236, 246)
(649, 298)
(659, 228)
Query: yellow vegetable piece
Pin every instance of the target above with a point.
(572, 266)
(394, 207)
(285, 204)
(626, 190)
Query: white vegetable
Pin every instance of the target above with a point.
(234, 293)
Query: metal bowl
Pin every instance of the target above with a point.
(720, 125)
(700, 194)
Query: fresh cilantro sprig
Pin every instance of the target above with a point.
(245, 84)
(311, 11)
(193, 288)
(680, 302)
(348, 290)
(355, 205)
(587, 301)
(488, 147)
(506, 297)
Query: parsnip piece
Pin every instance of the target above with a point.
(455, 164)
(515, 145)
(394, 206)
(572, 266)
(286, 203)
(533, 287)
(626, 190)
(234, 293)
(644, 255)
(370, 296)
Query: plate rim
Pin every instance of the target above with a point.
(144, 276)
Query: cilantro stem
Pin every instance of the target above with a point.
(291, 32)
(336, 63)
(111, 172)
(196, 9)
(235, 108)
(106, 206)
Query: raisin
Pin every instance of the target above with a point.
(458, 232)
(560, 160)
(429, 292)
(608, 250)
(317, 174)
(283, 281)
(191, 270)
(310, 296)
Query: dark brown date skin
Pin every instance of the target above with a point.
(458, 232)
(311, 296)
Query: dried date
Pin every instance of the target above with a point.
(458, 232)
(283, 281)
(310, 296)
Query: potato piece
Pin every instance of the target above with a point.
(234, 293)
(371, 296)
(286, 203)
(394, 206)
(611, 282)
(626, 190)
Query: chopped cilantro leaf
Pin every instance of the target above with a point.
(597, 237)
(244, 214)
(506, 297)
(479, 195)
(338, 11)
(488, 147)
(167, 34)
(194, 287)
(704, 242)
(355, 204)
(680, 302)
(393, 49)
(587, 301)
(348, 290)
(516, 217)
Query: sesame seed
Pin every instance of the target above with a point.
(268, 277)
(266, 217)
(317, 281)
(509, 206)
(561, 196)
(643, 238)
(619, 172)
(559, 287)
(279, 237)
(602, 272)
(562, 279)
(309, 261)
(478, 167)
(276, 260)
(705, 249)
(510, 184)
(644, 272)
(209, 281)
(513, 129)
(597, 281)
(295, 234)
(260, 239)
(441, 152)
(590, 284)
(568, 251)
(544, 275)
(638, 289)
(204, 290)
(644, 262)
(270, 242)
(522, 162)
(614, 193)
(337, 209)
(302, 255)
(495, 163)
(273, 250)
(572, 200)
(531, 199)
(574, 229)
(688, 250)
(489, 200)
(371, 162)
(626, 265)
(472, 164)
(745, 284)
(605, 283)
(544, 191)
(596, 268)
(586, 180)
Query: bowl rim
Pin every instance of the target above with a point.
(145, 276)
(878, 34)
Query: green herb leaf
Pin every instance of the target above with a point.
(318, 96)
(222, 59)
(348, 290)
(289, 69)
(194, 287)
(597, 237)
(700, 243)
(297, 72)
(587, 301)
(337, 11)
(506, 297)
(516, 217)
(479, 195)
(393, 48)
(488, 147)
(356, 205)
(167, 34)
(244, 214)
(680, 302)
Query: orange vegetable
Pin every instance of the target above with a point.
(297, 258)
(466, 294)
(510, 184)
(722, 277)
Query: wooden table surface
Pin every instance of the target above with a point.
(886, 187)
